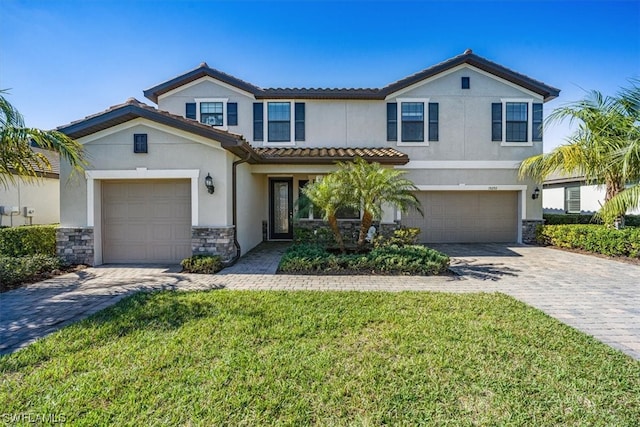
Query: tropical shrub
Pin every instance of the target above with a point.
(202, 264)
(390, 259)
(16, 270)
(401, 237)
(593, 238)
(28, 240)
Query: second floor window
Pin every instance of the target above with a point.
(279, 126)
(415, 120)
(211, 113)
(412, 121)
(517, 121)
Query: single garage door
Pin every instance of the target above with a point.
(466, 216)
(146, 221)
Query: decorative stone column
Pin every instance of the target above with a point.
(213, 241)
(529, 230)
(75, 245)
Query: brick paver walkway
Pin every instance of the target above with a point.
(597, 296)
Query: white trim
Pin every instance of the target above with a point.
(425, 122)
(200, 80)
(292, 123)
(153, 125)
(223, 101)
(529, 141)
(461, 164)
(459, 67)
(142, 173)
(292, 169)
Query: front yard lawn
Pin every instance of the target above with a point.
(325, 358)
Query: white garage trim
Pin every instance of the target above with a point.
(142, 173)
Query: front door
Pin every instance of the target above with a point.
(280, 208)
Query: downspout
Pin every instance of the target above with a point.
(234, 208)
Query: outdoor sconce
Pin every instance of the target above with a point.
(208, 182)
(536, 193)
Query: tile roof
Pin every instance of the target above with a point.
(132, 109)
(329, 155)
(54, 161)
(468, 57)
(235, 143)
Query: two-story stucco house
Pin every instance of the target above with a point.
(459, 128)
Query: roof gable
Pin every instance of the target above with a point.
(468, 57)
(133, 109)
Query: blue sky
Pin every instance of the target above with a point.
(64, 60)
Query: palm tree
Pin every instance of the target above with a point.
(370, 186)
(629, 155)
(16, 156)
(327, 195)
(603, 129)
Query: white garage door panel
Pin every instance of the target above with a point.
(146, 221)
(466, 216)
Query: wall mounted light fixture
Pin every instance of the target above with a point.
(208, 182)
(536, 193)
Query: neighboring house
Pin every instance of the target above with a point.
(572, 195)
(459, 128)
(37, 202)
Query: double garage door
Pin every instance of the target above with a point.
(466, 216)
(146, 221)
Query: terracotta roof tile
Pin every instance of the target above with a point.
(329, 155)
(468, 57)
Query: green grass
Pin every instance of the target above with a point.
(326, 358)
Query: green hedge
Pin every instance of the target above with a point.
(392, 259)
(202, 264)
(15, 270)
(593, 238)
(558, 219)
(28, 240)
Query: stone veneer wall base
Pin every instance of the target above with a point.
(75, 245)
(213, 241)
(529, 230)
(349, 228)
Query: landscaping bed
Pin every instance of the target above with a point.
(309, 258)
(322, 358)
(27, 255)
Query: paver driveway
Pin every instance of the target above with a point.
(597, 296)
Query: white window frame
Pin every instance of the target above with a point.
(224, 102)
(529, 141)
(292, 124)
(425, 123)
(568, 200)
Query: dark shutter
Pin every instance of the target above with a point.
(496, 121)
(537, 122)
(258, 121)
(392, 121)
(433, 121)
(466, 82)
(299, 123)
(232, 114)
(140, 143)
(190, 110)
